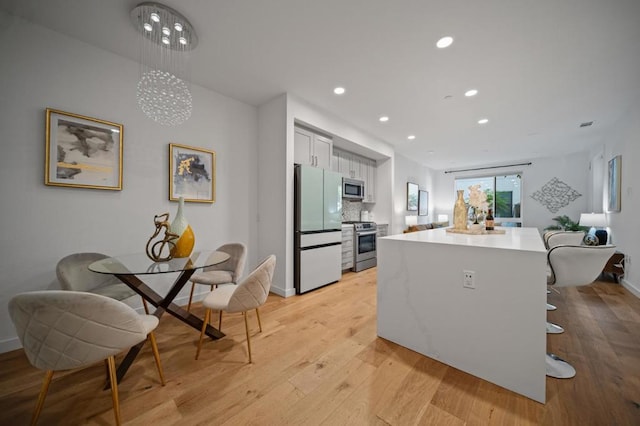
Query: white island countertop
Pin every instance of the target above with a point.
(527, 239)
(492, 327)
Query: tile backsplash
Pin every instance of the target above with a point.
(351, 209)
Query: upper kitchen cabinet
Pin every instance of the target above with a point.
(370, 182)
(354, 166)
(312, 149)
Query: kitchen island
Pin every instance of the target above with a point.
(495, 331)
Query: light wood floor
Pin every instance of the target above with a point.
(319, 361)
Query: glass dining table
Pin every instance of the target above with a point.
(129, 269)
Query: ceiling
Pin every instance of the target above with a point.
(541, 67)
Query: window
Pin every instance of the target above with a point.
(503, 195)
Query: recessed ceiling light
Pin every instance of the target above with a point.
(471, 92)
(155, 17)
(147, 27)
(483, 121)
(339, 90)
(444, 42)
(431, 152)
(411, 137)
(586, 124)
(384, 119)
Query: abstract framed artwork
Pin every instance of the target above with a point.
(423, 203)
(615, 165)
(412, 197)
(82, 152)
(192, 173)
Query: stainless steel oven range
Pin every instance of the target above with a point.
(364, 245)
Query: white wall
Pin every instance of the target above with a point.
(572, 170)
(41, 224)
(407, 170)
(625, 232)
(275, 182)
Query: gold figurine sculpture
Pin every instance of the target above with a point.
(166, 244)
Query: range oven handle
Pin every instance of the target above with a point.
(366, 233)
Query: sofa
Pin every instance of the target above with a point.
(425, 226)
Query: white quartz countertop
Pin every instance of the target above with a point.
(527, 239)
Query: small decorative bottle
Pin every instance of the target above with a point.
(186, 239)
(488, 221)
(460, 212)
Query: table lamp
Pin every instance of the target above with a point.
(411, 220)
(443, 218)
(596, 220)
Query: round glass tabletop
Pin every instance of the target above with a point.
(140, 264)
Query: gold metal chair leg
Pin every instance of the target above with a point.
(146, 307)
(259, 323)
(43, 394)
(207, 315)
(114, 388)
(193, 286)
(220, 320)
(156, 355)
(246, 327)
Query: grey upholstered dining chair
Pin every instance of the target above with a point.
(227, 272)
(573, 266)
(74, 274)
(250, 293)
(64, 330)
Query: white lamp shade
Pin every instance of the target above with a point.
(443, 218)
(597, 220)
(411, 220)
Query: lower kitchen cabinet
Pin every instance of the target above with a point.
(382, 230)
(347, 247)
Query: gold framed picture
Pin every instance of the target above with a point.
(82, 152)
(192, 174)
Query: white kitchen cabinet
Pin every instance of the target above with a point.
(354, 166)
(347, 247)
(312, 149)
(370, 187)
(382, 230)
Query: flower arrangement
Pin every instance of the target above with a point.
(478, 199)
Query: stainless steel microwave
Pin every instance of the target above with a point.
(352, 188)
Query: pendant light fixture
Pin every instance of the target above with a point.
(166, 38)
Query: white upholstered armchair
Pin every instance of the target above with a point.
(63, 330)
(250, 293)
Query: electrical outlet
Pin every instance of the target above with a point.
(468, 279)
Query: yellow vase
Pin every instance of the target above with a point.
(186, 238)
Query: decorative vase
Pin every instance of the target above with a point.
(186, 239)
(460, 212)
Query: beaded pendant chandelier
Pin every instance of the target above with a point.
(167, 37)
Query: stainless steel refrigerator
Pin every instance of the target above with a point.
(318, 227)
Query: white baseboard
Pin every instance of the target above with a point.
(283, 292)
(631, 287)
(9, 345)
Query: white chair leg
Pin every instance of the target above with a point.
(551, 307)
(554, 328)
(558, 368)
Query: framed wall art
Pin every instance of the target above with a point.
(192, 173)
(82, 152)
(412, 197)
(615, 175)
(423, 203)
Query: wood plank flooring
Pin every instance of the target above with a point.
(319, 361)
